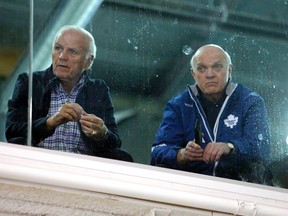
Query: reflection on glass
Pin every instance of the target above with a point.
(144, 51)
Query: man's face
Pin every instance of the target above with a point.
(69, 56)
(211, 71)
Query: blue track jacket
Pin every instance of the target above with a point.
(242, 120)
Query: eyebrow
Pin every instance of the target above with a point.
(70, 48)
(202, 64)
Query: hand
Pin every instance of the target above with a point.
(192, 152)
(67, 112)
(93, 126)
(214, 151)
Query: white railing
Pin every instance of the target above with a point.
(141, 182)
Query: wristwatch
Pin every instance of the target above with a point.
(231, 147)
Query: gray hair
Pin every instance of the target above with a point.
(228, 58)
(92, 47)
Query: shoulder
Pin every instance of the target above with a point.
(246, 94)
(246, 91)
(96, 86)
(37, 75)
(44, 75)
(180, 102)
(96, 83)
(180, 98)
(242, 89)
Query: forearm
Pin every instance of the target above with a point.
(165, 155)
(110, 140)
(181, 158)
(40, 130)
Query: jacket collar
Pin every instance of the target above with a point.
(229, 88)
(50, 77)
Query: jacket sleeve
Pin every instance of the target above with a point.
(16, 119)
(169, 139)
(103, 108)
(112, 139)
(17, 116)
(255, 140)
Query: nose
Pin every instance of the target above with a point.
(63, 55)
(210, 72)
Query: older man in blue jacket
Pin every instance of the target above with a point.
(234, 122)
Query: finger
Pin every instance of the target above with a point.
(75, 110)
(89, 124)
(88, 131)
(195, 145)
(93, 119)
(194, 154)
(218, 156)
(72, 115)
(194, 157)
(85, 128)
(219, 153)
(212, 155)
(207, 155)
(64, 116)
(67, 112)
(78, 110)
(93, 122)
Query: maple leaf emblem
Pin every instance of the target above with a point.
(231, 121)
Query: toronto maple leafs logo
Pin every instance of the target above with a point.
(231, 121)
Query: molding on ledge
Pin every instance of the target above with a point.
(138, 181)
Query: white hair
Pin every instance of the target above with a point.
(92, 47)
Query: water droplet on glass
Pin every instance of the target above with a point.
(260, 136)
(175, 22)
(187, 50)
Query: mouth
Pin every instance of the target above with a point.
(211, 84)
(62, 66)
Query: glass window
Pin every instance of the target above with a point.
(143, 53)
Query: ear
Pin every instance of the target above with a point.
(193, 74)
(230, 71)
(89, 62)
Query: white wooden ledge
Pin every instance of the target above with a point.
(139, 183)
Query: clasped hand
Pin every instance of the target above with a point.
(91, 125)
(211, 153)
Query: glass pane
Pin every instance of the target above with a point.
(144, 50)
(14, 43)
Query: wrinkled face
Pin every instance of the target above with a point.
(69, 56)
(211, 71)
